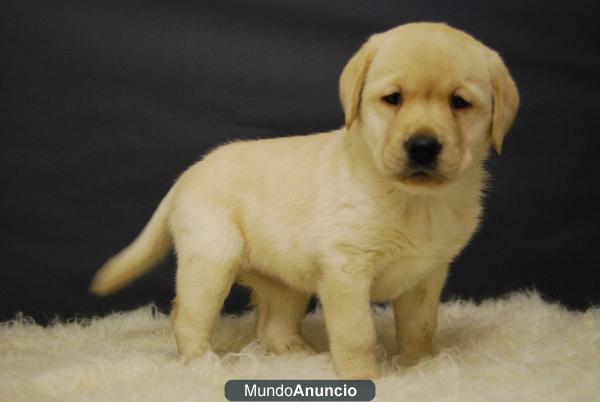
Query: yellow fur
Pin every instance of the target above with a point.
(335, 213)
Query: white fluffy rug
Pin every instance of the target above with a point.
(519, 348)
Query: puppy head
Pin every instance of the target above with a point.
(428, 100)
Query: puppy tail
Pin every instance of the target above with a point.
(149, 248)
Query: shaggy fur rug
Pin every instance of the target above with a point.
(519, 348)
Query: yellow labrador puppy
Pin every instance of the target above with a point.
(374, 211)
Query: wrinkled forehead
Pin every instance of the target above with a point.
(429, 59)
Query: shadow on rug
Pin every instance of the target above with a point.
(519, 348)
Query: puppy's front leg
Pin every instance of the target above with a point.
(344, 295)
(415, 313)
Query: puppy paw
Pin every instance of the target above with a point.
(293, 344)
(298, 346)
(189, 354)
(409, 358)
(357, 366)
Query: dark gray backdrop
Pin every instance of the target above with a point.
(104, 103)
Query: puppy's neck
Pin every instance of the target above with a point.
(357, 151)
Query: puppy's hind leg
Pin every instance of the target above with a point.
(209, 247)
(279, 309)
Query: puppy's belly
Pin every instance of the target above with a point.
(396, 278)
(291, 269)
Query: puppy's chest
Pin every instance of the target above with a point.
(411, 229)
(404, 246)
(409, 235)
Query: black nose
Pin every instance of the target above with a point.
(422, 149)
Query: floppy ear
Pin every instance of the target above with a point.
(353, 78)
(506, 100)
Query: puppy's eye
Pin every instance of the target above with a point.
(459, 102)
(393, 99)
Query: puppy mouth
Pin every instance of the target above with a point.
(423, 176)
